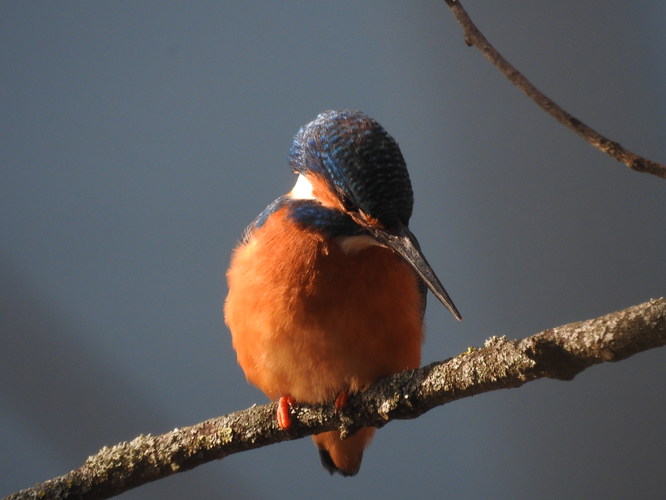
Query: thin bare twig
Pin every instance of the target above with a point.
(559, 353)
(474, 37)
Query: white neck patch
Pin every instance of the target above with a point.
(302, 190)
(353, 244)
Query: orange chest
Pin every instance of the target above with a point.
(310, 319)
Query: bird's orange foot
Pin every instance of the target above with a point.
(283, 417)
(341, 401)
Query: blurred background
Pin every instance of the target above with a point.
(138, 139)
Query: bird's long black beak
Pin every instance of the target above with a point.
(403, 242)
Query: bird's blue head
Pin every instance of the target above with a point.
(361, 163)
(363, 169)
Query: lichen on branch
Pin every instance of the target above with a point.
(558, 353)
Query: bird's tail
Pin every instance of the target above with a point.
(343, 455)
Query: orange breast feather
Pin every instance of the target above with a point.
(310, 321)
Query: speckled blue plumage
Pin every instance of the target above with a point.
(310, 214)
(360, 161)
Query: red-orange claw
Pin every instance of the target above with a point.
(283, 417)
(341, 401)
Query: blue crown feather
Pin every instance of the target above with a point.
(361, 162)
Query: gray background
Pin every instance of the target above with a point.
(139, 138)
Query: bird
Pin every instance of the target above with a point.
(327, 288)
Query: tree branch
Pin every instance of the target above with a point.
(558, 353)
(474, 37)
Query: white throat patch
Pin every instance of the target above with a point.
(353, 244)
(302, 190)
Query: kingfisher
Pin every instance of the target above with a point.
(327, 287)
